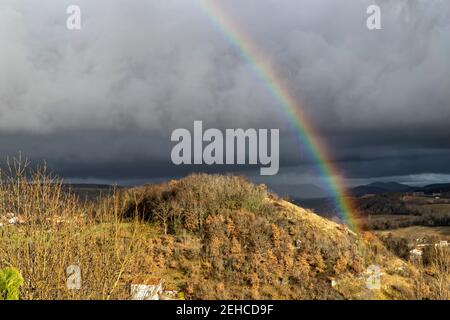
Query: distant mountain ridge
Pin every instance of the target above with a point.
(389, 187)
(88, 191)
(302, 191)
(380, 187)
(392, 186)
(437, 187)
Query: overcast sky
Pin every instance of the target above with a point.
(100, 104)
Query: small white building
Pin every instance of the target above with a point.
(415, 254)
(146, 291)
(442, 243)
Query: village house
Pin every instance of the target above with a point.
(415, 254)
(151, 289)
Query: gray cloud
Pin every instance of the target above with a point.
(101, 102)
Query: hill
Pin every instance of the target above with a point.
(392, 186)
(436, 188)
(395, 187)
(298, 191)
(380, 188)
(89, 191)
(251, 244)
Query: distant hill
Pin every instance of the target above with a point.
(362, 190)
(325, 207)
(381, 187)
(298, 191)
(438, 187)
(389, 187)
(392, 186)
(89, 191)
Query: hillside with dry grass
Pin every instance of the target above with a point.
(206, 236)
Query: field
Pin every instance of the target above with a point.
(415, 232)
(433, 207)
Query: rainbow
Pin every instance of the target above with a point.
(279, 88)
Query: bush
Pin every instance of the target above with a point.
(10, 282)
(187, 203)
(398, 246)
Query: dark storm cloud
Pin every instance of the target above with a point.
(100, 103)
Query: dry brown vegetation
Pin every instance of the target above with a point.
(209, 236)
(56, 230)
